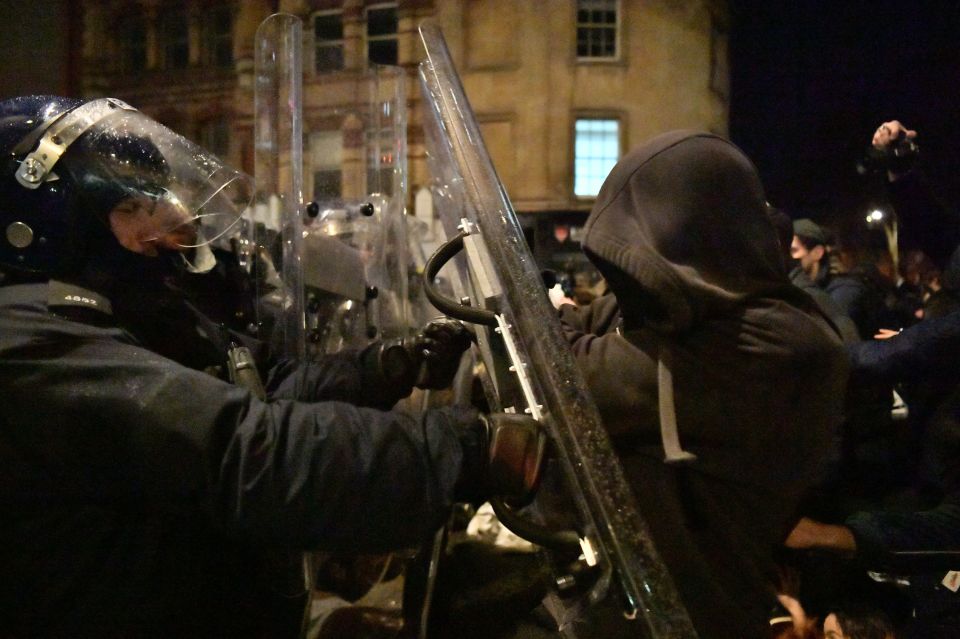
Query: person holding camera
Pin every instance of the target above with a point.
(926, 223)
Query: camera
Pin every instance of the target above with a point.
(900, 156)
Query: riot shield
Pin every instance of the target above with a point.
(274, 239)
(327, 235)
(616, 574)
(326, 239)
(357, 186)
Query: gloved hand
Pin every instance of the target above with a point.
(436, 351)
(428, 359)
(503, 457)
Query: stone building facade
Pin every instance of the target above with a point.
(560, 87)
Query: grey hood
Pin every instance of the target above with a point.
(681, 233)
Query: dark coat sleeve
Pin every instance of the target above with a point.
(122, 425)
(879, 533)
(621, 378)
(927, 349)
(342, 376)
(599, 317)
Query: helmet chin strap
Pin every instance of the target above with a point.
(202, 261)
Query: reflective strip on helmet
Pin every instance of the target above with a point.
(39, 163)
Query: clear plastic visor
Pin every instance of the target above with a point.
(157, 189)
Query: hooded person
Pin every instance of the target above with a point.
(722, 386)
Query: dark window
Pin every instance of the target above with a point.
(175, 39)
(382, 34)
(215, 136)
(328, 34)
(218, 36)
(382, 160)
(132, 33)
(326, 184)
(597, 28)
(380, 180)
(326, 159)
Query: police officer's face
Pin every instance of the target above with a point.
(147, 226)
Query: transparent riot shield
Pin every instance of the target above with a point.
(603, 559)
(326, 239)
(273, 244)
(356, 259)
(327, 233)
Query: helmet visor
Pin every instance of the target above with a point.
(158, 189)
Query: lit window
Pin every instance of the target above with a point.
(596, 150)
(132, 32)
(176, 42)
(218, 36)
(382, 34)
(328, 33)
(597, 28)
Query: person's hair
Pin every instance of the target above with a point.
(864, 622)
(810, 243)
(810, 630)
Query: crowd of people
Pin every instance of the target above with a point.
(889, 507)
(782, 397)
(868, 540)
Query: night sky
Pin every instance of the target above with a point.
(811, 81)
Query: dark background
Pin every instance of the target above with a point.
(34, 47)
(811, 80)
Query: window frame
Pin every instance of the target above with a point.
(167, 44)
(382, 160)
(128, 43)
(326, 165)
(330, 44)
(394, 36)
(213, 134)
(617, 33)
(211, 39)
(618, 119)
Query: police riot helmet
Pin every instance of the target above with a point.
(74, 165)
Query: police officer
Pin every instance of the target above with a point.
(138, 488)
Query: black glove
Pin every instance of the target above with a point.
(503, 457)
(436, 351)
(428, 359)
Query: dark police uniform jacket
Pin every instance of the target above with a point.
(134, 490)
